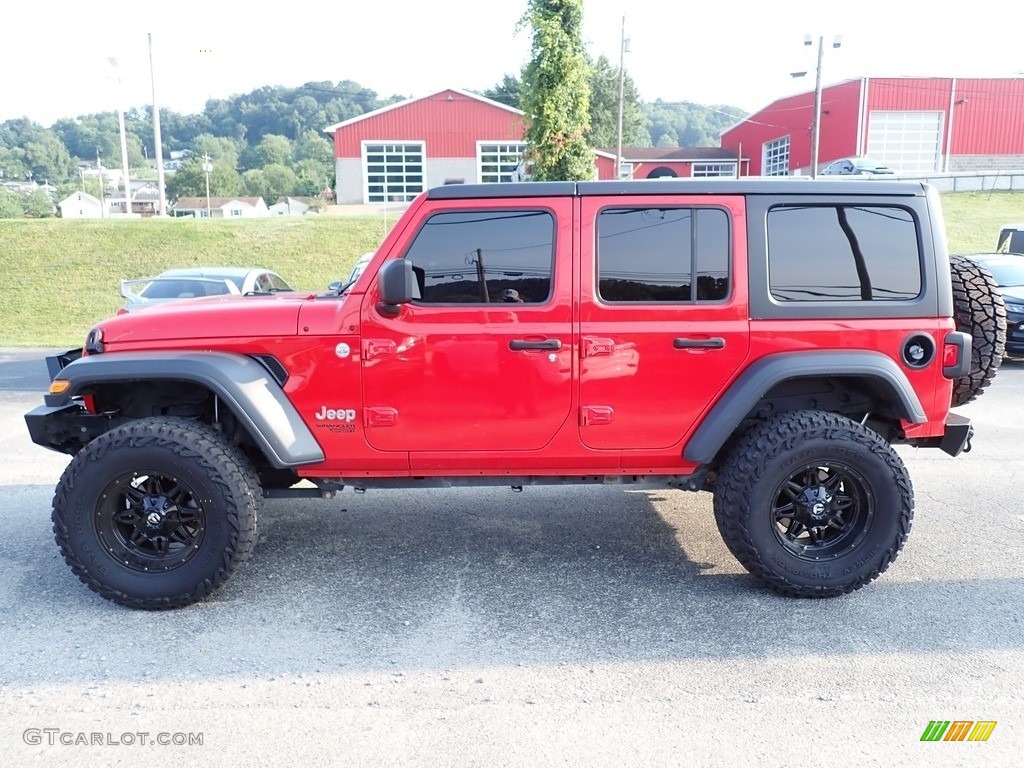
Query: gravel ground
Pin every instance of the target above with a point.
(559, 626)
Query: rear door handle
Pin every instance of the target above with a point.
(715, 343)
(519, 344)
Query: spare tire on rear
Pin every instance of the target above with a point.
(979, 311)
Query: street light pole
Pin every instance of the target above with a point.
(124, 139)
(622, 82)
(158, 148)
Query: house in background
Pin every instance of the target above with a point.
(671, 162)
(221, 207)
(914, 125)
(294, 206)
(145, 201)
(80, 205)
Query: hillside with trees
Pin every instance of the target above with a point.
(270, 142)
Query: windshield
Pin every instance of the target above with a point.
(184, 288)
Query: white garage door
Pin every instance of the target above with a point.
(908, 142)
(393, 172)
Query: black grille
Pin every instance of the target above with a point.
(273, 365)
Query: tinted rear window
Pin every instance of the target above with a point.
(843, 253)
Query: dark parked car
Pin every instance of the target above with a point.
(856, 166)
(1008, 271)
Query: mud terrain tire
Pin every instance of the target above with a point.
(157, 513)
(979, 312)
(813, 504)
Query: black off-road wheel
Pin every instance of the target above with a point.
(813, 504)
(157, 513)
(979, 312)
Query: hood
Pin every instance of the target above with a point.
(1014, 294)
(211, 317)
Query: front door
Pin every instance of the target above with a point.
(663, 323)
(483, 361)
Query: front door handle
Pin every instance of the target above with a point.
(714, 343)
(518, 344)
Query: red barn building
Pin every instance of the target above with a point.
(394, 153)
(911, 124)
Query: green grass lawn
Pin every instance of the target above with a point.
(61, 277)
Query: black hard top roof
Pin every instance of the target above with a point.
(786, 185)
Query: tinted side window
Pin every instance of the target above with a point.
(652, 254)
(485, 256)
(843, 253)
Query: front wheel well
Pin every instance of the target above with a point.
(123, 402)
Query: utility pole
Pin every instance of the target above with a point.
(157, 143)
(622, 81)
(207, 168)
(816, 137)
(816, 124)
(103, 204)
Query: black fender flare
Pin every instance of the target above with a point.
(243, 384)
(757, 380)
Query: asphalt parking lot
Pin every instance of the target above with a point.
(560, 626)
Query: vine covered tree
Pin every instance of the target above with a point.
(556, 92)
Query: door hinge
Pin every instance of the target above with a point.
(380, 417)
(594, 415)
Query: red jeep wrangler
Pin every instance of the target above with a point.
(766, 340)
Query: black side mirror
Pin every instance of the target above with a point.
(397, 285)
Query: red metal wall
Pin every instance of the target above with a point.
(449, 122)
(988, 118)
(794, 117)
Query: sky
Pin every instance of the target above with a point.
(55, 54)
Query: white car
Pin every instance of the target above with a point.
(357, 270)
(856, 166)
(192, 282)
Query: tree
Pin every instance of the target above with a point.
(37, 204)
(190, 180)
(507, 92)
(221, 149)
(10, 205)
(272, 150)
(604, 108)
(556, 92)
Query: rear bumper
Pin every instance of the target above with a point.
(957, 437)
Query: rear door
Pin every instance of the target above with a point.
(663, 315)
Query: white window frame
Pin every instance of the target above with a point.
(725, 170)
(510, 153)
(775, 155)
(409, 189)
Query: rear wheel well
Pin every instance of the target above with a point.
(865, 399)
